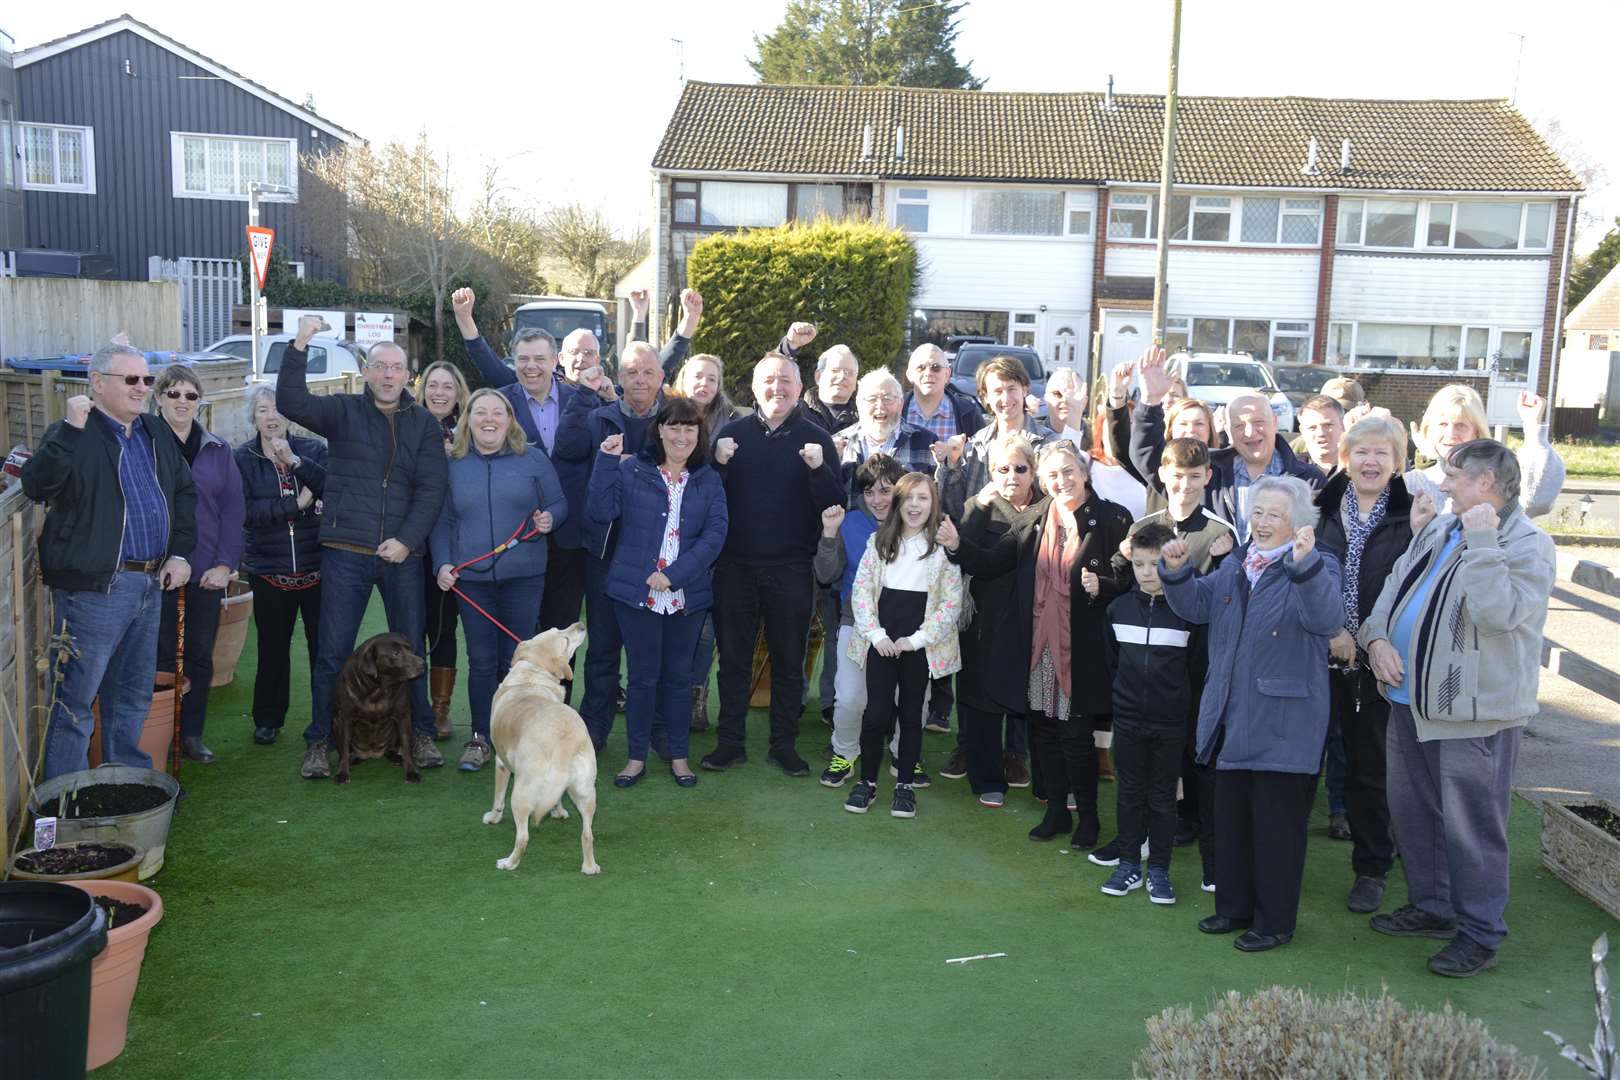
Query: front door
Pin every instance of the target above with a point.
(1125, 335)
(1065, 334)
(1513, 363)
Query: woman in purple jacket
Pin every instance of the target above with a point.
(178, 393)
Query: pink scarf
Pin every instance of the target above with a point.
(1054, 568)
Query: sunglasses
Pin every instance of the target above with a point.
(1005, 469)
(131, 380)
(931, 367)
(176, 395)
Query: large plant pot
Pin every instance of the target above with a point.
(759, 685)
(1582, 855)
(48, 935)
(235, 615)
(121, 871)
(117, 971)
(147, 830)
(158, 731)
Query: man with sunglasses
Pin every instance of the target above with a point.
(933, 403)
(122, 521)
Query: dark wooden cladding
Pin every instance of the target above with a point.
(134, 213)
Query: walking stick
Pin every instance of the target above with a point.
(179, 676)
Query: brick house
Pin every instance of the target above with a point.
(1413, 241)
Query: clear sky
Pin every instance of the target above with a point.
(569, 99)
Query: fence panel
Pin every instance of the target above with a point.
(55, 316)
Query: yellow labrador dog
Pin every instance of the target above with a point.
(541, 744)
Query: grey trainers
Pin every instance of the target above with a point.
(424, 753)
(1366, 895)
(475, 755)
(315, 766)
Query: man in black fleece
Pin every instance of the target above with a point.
(781, 472)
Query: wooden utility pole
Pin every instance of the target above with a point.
(1167, 168)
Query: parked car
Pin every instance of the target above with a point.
(1301, 382)
(954, 343)
(328, 356)
(971, 356)
(1217, 378)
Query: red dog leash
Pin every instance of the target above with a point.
(516, 538)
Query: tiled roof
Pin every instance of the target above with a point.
(1081, 138)
(1600, 308)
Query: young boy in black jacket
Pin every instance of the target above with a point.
(1154, 691)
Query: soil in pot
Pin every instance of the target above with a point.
(74, 859)
(1600, 816)
(119, 913)
(107, 800)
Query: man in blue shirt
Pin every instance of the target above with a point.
(121, 522)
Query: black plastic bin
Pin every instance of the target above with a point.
(49, 933)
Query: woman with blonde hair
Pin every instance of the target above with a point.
(1457, 415)
(702, 378)
(498, 486)
(442, 391)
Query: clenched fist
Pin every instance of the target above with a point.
(812, 455)
(77, 411)
(831, 519)
(1223, 544)
(1174, 553)
(613, 445)
(1304, 543)
(946, 535)
(1089, 582)
(1482, 516)
(801, 334)
(724, 449)
(462, 300)
(1422, 512)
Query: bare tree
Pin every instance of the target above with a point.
(584, 240)
(509, 234)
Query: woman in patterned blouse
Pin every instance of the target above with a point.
(668, 507)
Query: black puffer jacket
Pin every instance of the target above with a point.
(1387, 543)
(281, 538)
(386, 474)
(75, 470)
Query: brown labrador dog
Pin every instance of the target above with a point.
(371, 715)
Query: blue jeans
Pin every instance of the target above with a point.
(489, 651)
(347, 578)
(598, 704)
(113, 652)
(659, 648)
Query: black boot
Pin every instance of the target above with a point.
(1053, 823)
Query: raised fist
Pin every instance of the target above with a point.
(831, 519)
(462, 300)
(1223, 544)
(613, 445)
(812, 455)
(955, 445)
(1174, 553)
(1304, 543)
(308, 327)
(77, 410)
(1422, 512)
(724, 448)
(692, 303)
(1482, 516)
(640, 304)
(1531, 408)
(801, 334)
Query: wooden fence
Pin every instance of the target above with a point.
(24, 672)
(54, 316)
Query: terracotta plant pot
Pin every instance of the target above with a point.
(235, 615)
(127, 870)
(116, 972)
(159, 728)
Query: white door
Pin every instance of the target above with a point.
(1125, 335)
(1064, 333)
(1514, 359)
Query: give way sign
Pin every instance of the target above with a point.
(260, 241)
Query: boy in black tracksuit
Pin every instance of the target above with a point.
(1154, 694)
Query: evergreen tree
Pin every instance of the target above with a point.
(865, 43)
(1588, 270)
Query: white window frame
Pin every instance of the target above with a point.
(1493, 332)
(902, 199)
(177, 166)
(1200, 203)
(1210, 205)
(1074, 203)
(1426, 208)
(297, 267)
(89, 143)
(1183, 324)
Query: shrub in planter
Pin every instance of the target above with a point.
(852, 279)
(1283, 1031)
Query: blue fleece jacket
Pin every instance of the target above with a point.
(490, 496)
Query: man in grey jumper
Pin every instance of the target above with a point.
(1455, 641)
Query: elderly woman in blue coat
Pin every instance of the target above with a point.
(498, 484)
(666, 506)
(1272, 609)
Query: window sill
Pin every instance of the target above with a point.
(1467, 253)
(1219, 245)
(59, 189)
(235, 198)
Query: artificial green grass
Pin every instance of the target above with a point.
(747, 927)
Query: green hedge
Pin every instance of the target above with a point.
(853, 280)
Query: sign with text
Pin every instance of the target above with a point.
(337, 320)
(260, 241)
(371, 327)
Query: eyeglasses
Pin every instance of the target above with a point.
(936, 368)
(130, 380)
(176, 395)
(1003, 470)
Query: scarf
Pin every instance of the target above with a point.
(1358, 529)
(1054, 566)
(1256, 561)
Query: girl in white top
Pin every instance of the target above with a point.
(906, 599)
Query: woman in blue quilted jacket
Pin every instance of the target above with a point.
(668, 506)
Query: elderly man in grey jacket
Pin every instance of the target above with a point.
(1455, 642)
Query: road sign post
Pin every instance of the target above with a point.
(260, 241)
